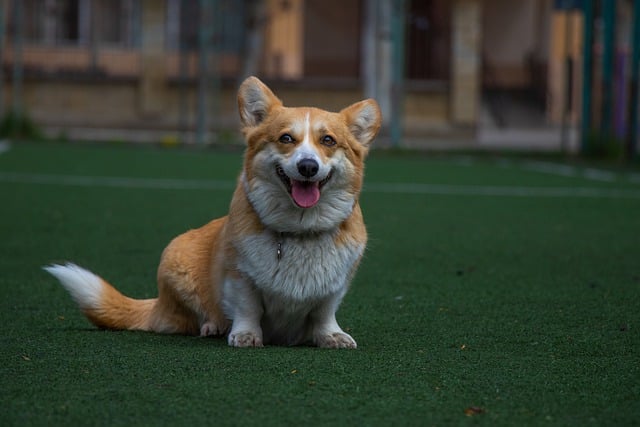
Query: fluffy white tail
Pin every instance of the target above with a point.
(103, 305)
(84, 286)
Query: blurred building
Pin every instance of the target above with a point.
(143, 68)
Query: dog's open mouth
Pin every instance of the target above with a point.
(304, 193)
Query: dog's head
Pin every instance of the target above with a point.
(303, 166)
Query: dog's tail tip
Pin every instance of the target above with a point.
(84, 286)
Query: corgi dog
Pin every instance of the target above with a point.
(275, 269)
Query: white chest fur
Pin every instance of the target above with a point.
(309, 268)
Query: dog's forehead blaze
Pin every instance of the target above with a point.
(299, 123)
(302, 121)
(325, 122)
(307, 122)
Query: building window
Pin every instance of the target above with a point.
(48, 22)
(224, 25)
(429, 40)
(116, 22)
(113, 23)
(332, 32)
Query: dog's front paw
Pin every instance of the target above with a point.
(335, 340)
(245, 339)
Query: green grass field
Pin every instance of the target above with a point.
(495, 291)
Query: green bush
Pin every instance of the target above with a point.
(17, 125)
(604, 146)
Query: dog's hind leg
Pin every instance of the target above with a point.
(188, 292)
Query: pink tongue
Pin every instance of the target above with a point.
(305, 194)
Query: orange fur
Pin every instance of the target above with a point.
(117, 311)
(188, 296)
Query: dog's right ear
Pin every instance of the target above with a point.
(255, 101)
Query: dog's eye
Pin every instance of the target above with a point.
(328, 141)
(286, 139)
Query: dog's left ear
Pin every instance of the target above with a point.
(255, 101)
(364, 119)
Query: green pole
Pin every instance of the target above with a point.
(183, 69)
(17, 59)
(397, 75)
(632, 133)
(204, 41)
(587, 74)
(217, 26)
(608, 57)
(2, 27)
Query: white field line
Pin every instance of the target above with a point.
(550, 168)
(4, 146)
(373, 187)
(116, 182)
(570, 171)
(501, 191)
(599, 175)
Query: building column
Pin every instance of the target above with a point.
(152, 61)
(465, 62)
(283, 45)
(377, 55)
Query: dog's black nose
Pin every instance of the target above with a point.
(308, 167)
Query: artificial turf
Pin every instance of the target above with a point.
(470, 307)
